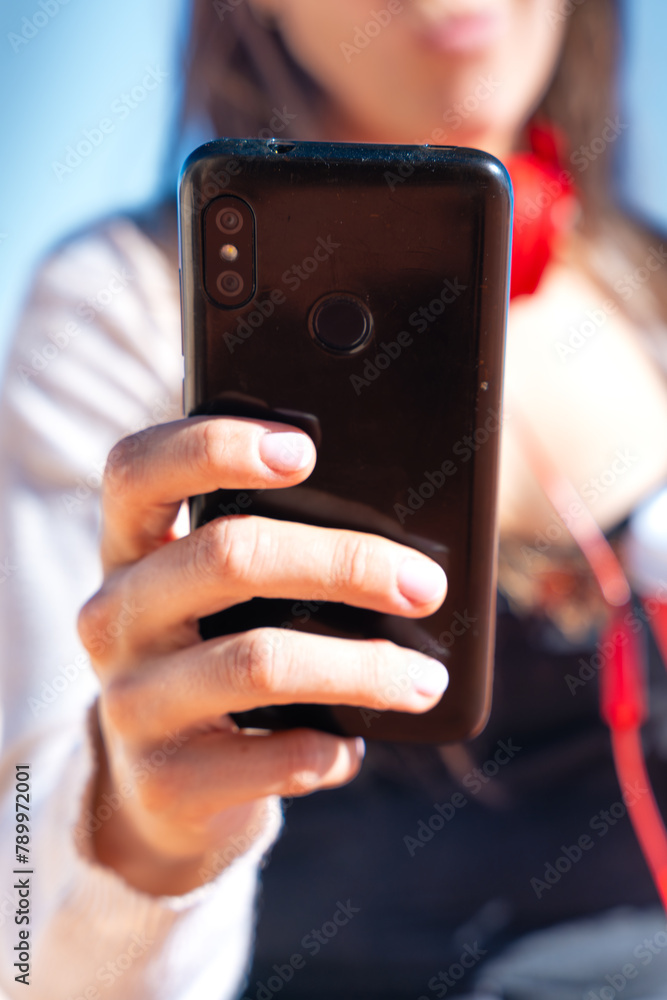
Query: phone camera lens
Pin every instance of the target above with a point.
(230, 283)
(228, 220)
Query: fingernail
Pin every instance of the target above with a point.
(285, 451)
(432, 679)
(360, 746)
(421, 581)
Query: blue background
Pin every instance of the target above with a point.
(67, 77)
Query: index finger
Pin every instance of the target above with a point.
(149, 474)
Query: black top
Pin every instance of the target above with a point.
(372, 890)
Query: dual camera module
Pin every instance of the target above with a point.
(229, 229)
(338, 321)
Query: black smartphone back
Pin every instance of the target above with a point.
(359, 291)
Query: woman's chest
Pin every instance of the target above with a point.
(580, 385)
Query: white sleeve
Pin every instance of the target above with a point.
(97, 357)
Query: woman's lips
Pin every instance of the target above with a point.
(460, 35)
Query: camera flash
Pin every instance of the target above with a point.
(229, 252)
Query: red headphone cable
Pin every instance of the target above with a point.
(623, 699)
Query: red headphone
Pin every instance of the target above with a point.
(545, 206)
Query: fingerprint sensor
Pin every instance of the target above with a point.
(341, 323)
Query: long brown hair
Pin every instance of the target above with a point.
(239, 71)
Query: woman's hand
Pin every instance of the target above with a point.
(162, 686)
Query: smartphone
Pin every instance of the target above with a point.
(360, 292)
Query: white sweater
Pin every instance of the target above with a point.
(97, 357)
